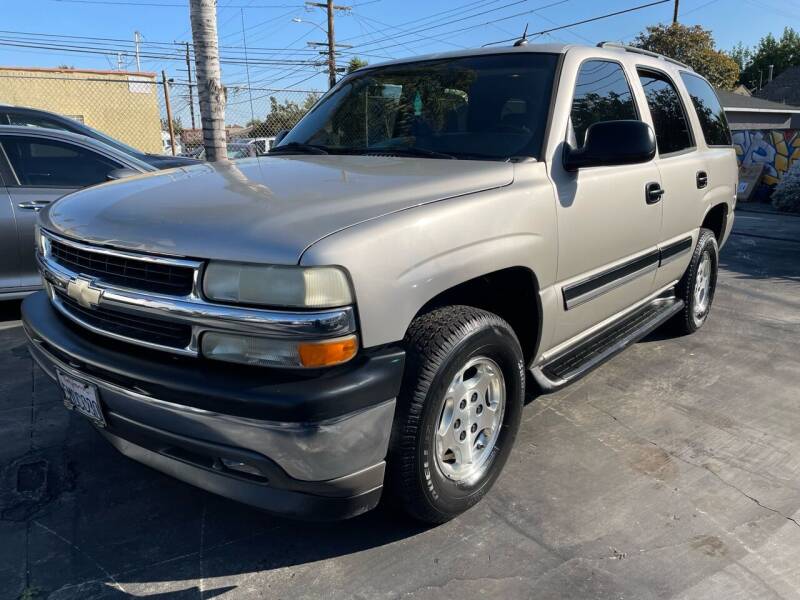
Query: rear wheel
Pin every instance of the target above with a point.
(458, 411)
(698, 284)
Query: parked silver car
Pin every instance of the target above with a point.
(362, 309)
(38, 166)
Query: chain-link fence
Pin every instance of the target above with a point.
(253, 116)
(132, 108)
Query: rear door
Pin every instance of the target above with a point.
(681, 165)
(45, 169)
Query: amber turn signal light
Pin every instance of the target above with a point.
(327, 353)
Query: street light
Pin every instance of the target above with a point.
(299, 20)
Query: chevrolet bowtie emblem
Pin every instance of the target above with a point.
(81, 290)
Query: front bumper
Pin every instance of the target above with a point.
(315, 445)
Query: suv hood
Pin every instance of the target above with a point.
(266, 209)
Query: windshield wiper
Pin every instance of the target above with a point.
(298, 148)
(408, 151)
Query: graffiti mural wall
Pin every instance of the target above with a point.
(775, 149)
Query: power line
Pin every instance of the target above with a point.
(137, 4)
(476, 26)
(584, 21)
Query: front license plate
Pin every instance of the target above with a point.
(82, 396)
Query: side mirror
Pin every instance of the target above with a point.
(121, 173)
(611, 143)
(279, 136)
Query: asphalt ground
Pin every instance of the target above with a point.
(673, 471)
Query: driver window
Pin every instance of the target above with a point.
(602, 93)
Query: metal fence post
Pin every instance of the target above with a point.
(169, 111)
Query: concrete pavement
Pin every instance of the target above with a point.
(673, 471)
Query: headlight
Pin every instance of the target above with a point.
(291, 287)
(269, 352)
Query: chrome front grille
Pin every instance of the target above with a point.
(127, 325)
(155, 301)
(133, 273)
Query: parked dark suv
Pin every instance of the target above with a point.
(32, 117)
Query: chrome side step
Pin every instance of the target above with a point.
(575, 362)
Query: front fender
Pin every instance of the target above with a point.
(401, 261)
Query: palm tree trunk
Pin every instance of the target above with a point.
(208, 77)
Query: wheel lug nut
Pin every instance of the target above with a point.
(457, 424)
(463, 404)
(463, 436)
(474, 397)
(474, 428)
(479, 410)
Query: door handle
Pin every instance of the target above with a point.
(702, 179)
(33, 204)
(653, 192)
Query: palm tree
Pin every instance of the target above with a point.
(208, 76)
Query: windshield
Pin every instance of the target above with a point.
(478, 107)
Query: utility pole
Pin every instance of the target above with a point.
(136, 40)
(208, 75)
(191, 93)
(331, 47)
(329, 6)
(675, 13)
(169, 112)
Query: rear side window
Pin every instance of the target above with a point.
(31, 121)
(52, 163)
(666, 108)
(602, 93)
(709, 111)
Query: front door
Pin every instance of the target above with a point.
(44, 170)
(608, 232)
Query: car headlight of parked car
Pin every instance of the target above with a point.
(278, 287)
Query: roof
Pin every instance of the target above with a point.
(73, 71)
(784, 88)
(541, 48)
(732, 102)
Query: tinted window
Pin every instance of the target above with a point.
(50, 163)
(31, 121)
(602, 93)
(666, 108)
(491, 107)
(712, 117)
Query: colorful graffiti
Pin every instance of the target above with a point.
(775, 149)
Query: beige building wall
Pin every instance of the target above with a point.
(120, 104)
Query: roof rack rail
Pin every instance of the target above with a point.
(644, 52)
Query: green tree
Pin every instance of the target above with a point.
(177, 125)
(780, 53)
(694, 46)
(281, 115)
(355, 64)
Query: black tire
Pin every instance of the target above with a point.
(438, 344)
(690, 319)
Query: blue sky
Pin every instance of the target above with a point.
(378, 28)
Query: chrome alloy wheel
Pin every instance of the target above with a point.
(469, 424)
(702, 286)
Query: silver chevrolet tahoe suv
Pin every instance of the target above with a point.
(364, 310)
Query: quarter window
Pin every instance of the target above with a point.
(51, 163)
(709, 111)
(602, 93)
(666, 108)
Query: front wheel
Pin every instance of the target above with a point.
(698, 284)
(458, 411)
